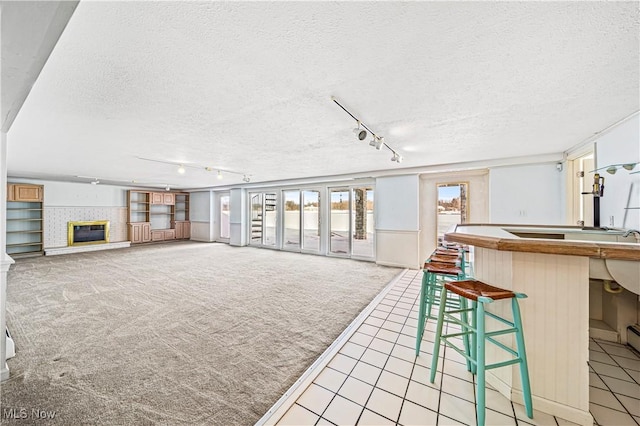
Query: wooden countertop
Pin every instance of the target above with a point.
(494, 236)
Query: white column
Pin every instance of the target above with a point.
(238, 217)
(5, 260)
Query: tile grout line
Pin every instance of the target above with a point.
(359, 360)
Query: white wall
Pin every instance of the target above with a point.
(527, 194)
(201, 215)
(397, 210)
(618, 146)
(71, 201)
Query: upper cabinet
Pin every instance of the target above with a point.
(167, 198)
(24, 192)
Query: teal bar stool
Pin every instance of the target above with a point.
(434, 275)
(480, 294)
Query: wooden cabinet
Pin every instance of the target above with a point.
(163, 234)
(25, 220)
(183, 229)
(166, 198)
(158, 216)
(140, 232)
(10, 192)
(25, 192)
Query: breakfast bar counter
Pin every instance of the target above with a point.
(551, 264)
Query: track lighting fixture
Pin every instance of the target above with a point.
(246, 178)
(378, 141)
(396, 157)
(360, 133)
(167, 188)
(95, 181)
(182, 168)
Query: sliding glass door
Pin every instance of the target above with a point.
(264, 216)
(225, 227)
(351, 222)
(311, 221)
(362, 222)
(340, 226)
(291, 220)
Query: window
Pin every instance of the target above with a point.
(452, 206)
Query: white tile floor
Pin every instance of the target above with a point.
(375, 379)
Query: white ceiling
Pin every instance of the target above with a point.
(247, 86)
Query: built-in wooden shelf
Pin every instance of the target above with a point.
(25, 222)
(158, 216)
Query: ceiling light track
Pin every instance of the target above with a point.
(378, 141)
(182, 168)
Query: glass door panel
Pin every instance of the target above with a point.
(256, 219)
(225, 227)
(452, 207)
(291, 222)
(311, 220)
(340, 227)
(362, 222)
(269, 234)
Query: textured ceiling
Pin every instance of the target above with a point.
(247, 86)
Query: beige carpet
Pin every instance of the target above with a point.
(179, 333)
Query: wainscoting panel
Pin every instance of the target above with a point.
(56, 219)
(398, 248)
(201, 231)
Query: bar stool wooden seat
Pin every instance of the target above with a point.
(434, 274)
(481, 294)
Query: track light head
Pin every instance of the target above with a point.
(360, 133)
(95, 182)
(246, 178)
(219, 174)
(167, 188)
(181, 169)
(377, 142)
(397, 158)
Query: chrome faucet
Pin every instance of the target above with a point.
(633, 231)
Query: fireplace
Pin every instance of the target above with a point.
(96, 232)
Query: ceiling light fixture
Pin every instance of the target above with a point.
(167, 188)
(182, 167)
(378, 141)
(361, 134)
(246, 178)
(95, 181)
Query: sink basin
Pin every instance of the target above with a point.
(624, 272)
